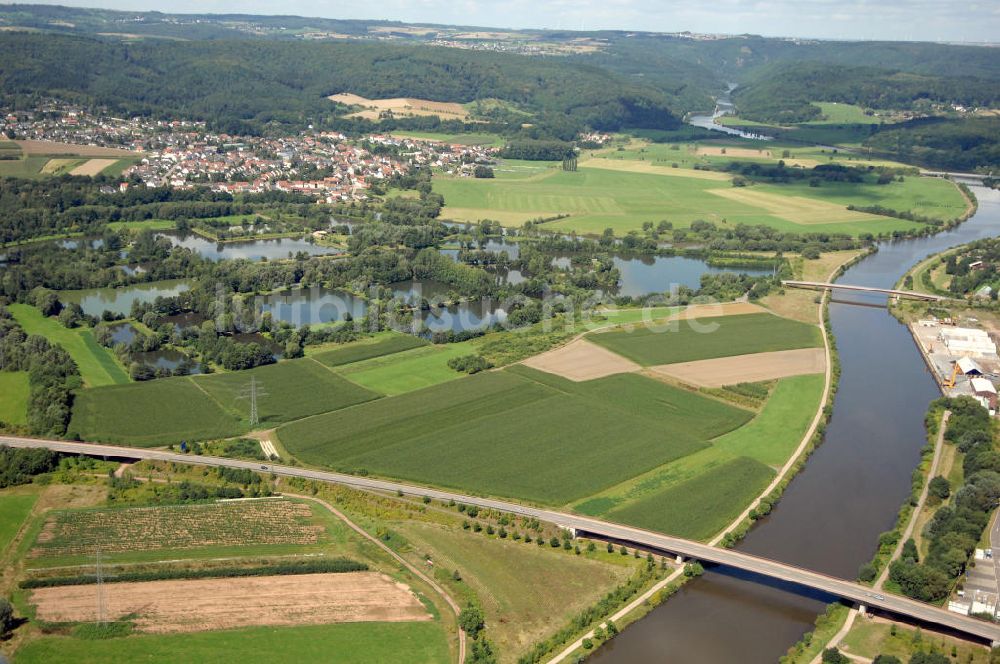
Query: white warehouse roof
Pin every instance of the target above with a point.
(982, 386)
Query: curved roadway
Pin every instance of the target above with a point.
(848, 590)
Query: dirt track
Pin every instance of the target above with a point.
(581, 360)
(209, 604)
(746, 368)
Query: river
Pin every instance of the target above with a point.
(832, 513)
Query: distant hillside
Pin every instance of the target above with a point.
(246, 84)
(785, 93)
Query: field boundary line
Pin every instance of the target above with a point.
(230, 411)
(433, 584)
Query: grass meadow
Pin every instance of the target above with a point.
(526, 591)
(97, 364)
(622, 195)
(517, 433)
(345, 643)
(730, 335)
(14, 397)
(15, 506)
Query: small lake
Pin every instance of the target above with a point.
(311, 306)
(123, 333)
(659, 274)
(253, 250)
(94, 301)
(165, 359)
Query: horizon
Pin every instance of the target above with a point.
(825, 20)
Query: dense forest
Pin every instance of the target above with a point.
(786, 93)
(960, 145)
(243, 86)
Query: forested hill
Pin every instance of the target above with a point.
(245, 84)
(785, 93)
(740, 57)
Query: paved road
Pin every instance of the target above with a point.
(838, 587)
(864, 289)
(915, 513)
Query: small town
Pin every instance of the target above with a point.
(184, 154)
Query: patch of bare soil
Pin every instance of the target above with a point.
(746, 368)
(212, 604)
(581, 360)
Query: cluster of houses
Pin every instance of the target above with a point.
(185, 154)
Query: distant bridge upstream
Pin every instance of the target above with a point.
(822, 285)
(848, 590)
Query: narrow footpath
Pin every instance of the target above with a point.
(377, 542)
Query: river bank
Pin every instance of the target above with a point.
(850, 490)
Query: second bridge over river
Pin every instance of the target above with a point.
(822, 285)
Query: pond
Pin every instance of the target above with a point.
(659, 274)
(253, 250)
(94, 301)
(166, 358)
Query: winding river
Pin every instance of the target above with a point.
(832, 513)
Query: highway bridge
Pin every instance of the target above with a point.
(847, 590)
(822, 285)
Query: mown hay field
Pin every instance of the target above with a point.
(518, 433)
(707, 338)
(617, 197)
(700, 507)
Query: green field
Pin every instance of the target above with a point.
(346, 643)
(517, 433)
(770, 438)
(366, 351)
(700, 507)
(526, 591)
(145, 224)
(408, 370)
(722, 336)
(97, 364)
(14, 509)
(288, 390)
(933, 197)
(14, 397)
(169, 410)
(151, 413)
(601, 195)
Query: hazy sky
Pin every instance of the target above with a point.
(932, 20)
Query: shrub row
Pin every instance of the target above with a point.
(329, 566)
